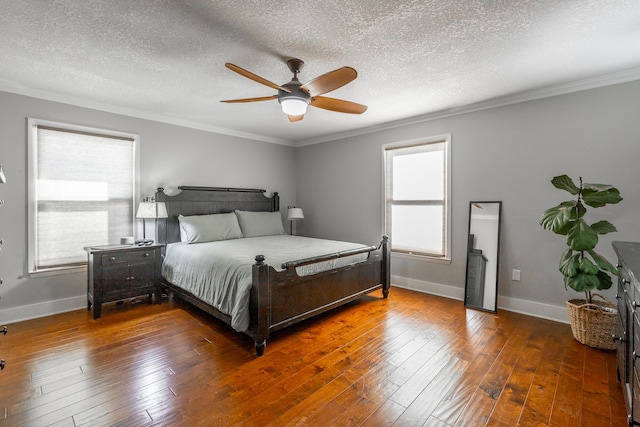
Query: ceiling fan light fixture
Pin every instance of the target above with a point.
(294, 105)
(294, 97)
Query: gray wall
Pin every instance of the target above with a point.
(508, 153)
(169, 156)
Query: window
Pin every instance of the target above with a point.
(81, 192)
(417, 197)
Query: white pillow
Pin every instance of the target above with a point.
(255, 224)
(209, 228)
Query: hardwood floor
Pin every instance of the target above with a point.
(413, 359)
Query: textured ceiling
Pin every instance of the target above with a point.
(165, 59)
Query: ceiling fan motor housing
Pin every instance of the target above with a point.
(296, 102)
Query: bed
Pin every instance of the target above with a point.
(277, 295)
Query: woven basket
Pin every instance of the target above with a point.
(593, 324)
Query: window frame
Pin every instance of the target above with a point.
(32, 173)
(447, 202)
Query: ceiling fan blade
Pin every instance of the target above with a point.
(263, 98)
(294, 119)
(330, 81)
(254, 77)
(338, 105)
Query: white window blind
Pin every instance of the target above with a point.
(417, 198)
(82, 185)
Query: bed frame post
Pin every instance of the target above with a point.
(161, 223)
(386, 266)
(260, 300)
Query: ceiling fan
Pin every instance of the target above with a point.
(294, 97)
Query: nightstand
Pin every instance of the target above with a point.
(118, 272)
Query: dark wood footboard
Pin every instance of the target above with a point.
(280, 299)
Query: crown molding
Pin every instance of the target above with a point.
(546, 92)
(130, 112)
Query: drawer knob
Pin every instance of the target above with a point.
(635, 356)
(634, 305)
(626, 281)
(1, 242)
(4, 330)
(1, 281)
(147, 255)
(618, 296)
(112, 258)
(2, 364)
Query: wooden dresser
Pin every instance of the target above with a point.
(120, 272)
(627, 334)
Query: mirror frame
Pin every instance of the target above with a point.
(472, 245)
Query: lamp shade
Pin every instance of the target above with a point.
(152, 210)
(294, 213)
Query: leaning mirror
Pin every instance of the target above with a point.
(483, 251)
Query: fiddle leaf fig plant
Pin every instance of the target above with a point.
(583, 268)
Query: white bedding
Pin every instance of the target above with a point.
(219, 273)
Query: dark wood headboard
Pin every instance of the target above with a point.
(208, 200)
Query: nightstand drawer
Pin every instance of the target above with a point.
(126, 257)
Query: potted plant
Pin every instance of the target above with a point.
(585, 270)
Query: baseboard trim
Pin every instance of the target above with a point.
(47, 308)
(530, 308)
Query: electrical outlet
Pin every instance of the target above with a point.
(515, 275)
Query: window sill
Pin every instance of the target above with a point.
(416, 257)
(58, 271)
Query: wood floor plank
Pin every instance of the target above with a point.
(422, 407)
(414, 386)
(484, 398)
(537, 408)
(435, 422)
(348, 405)
(385, 415)
(323, 386)
(272, 382)
(459, 396)
(567, 404)
(322, 407)
(123, 408)
(509, 406)
(373, 397)
(411, 359)
(109, 371)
